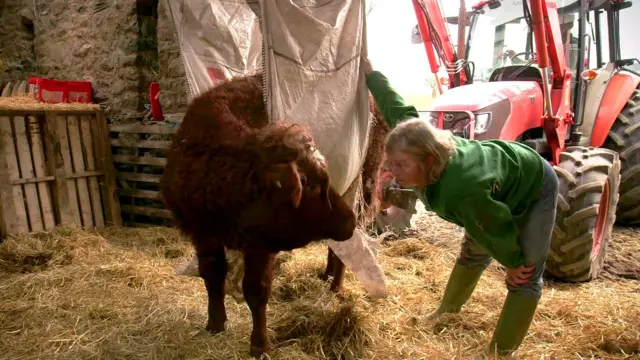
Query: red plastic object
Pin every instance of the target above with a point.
(154, 99)
(216, 75)
(78, 91)
(56, 91)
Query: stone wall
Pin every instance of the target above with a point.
(120, 46)
(147, 46)
(16, 40)
(93, 40)
(173, 81)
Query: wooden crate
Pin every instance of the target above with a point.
(55, 167)
(139, 155)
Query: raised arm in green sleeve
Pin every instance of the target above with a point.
(491, 225)
(390, 103)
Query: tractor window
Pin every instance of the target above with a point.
(510, 44)
(571, 43)
(495, 46)
(569, 26)
(629, 45)
(501, 38)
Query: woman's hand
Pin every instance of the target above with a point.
(367, 67)
(520, 275)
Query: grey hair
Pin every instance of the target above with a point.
(422, 140)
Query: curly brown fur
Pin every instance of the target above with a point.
(312, 165)
(226, 155)
(373, 162)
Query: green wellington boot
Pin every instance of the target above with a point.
(515, 319)
(462, 282)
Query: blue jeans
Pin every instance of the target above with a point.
(534, 237)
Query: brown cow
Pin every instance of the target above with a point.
(371, 189)
(234, 181)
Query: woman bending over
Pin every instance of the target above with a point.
(503, 193)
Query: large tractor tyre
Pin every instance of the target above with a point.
(589, 179)
(624, 138)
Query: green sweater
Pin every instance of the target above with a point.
(487, 186)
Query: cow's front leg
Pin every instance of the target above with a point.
(329, 269)
(335, 268)
(256, 286)
(338, 274)
(212, 265)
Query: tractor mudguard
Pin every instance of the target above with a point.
(620, 89)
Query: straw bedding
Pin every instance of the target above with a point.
(72, 294)
(27, 103)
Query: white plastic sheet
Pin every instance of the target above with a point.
(312, 59)
(313, 52)
(218, 40)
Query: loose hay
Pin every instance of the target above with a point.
(114, 295)
(28, 103)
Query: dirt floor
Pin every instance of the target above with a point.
(72, 294)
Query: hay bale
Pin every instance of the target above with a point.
(114, 294)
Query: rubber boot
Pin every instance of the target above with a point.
(515, 319)
(462, 282)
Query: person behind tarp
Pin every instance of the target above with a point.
(503, 193)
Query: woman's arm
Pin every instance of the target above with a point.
(391, 104)
(490, 223)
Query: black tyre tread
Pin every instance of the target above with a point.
(582, 174)
(624, 138)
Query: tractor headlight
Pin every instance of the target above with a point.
(482, 123)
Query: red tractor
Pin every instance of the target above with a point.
(528, 72)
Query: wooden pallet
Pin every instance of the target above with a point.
(55, 168)
(139, 155)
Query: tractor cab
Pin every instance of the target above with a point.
(506, 47)
(504, 95)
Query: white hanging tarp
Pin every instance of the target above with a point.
(219, 39)
(312, 62)
(313, 52)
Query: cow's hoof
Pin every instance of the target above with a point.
(336, 285)
(258, 351)
(338, 293)
(324, 276)
(215, 328)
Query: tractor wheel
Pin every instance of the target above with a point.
(624, 138)
(587, 196)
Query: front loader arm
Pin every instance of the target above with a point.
(555, 46)
(430, 18)
(557, 116)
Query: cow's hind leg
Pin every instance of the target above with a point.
(256, 286)
(212, 264)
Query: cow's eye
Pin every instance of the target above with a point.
(303, 180)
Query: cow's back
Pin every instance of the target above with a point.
(207, 160)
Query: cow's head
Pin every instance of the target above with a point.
(294, 212)
(287, 152)
(295, 204)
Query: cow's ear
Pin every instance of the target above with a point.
(283, 181)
